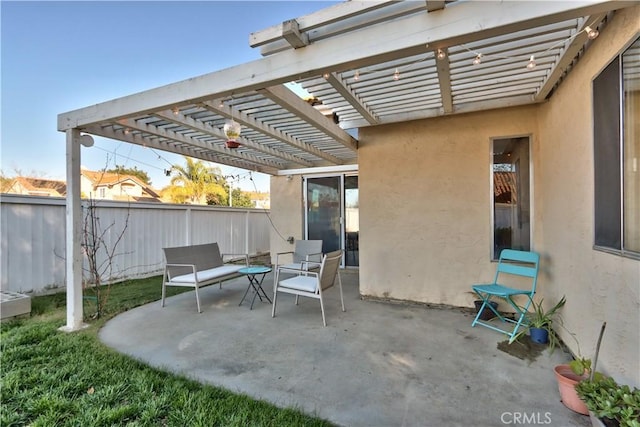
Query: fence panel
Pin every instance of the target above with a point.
(33, 237)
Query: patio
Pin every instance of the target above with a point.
(377, 364)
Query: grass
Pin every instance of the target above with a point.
(52, 378)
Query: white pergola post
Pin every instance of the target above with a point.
(73, 234)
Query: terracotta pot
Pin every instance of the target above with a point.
(567, 381)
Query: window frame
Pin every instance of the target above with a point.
(620, 186)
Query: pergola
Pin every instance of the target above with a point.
(365, 63)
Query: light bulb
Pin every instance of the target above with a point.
(396, 75)
(175, 111)
(441, 54)
(478, 59)
(325, 75)
(532, 63)
(356, 77)
(591, 32)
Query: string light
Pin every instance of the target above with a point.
(441, 54)
(175, 111)
(532, 63)
(591, 33)
(326, 75)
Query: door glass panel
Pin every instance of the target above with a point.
(351, 223)
(323, 212)
(511, 225)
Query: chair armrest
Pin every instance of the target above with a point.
(309, 264)
(282, 253)
(319, 255)
(167, 268)
(298, 272)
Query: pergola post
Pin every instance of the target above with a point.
(73, 235)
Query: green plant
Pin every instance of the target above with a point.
(608, 400)
(539, 318)
(542, 319)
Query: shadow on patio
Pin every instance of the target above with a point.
(377, 364)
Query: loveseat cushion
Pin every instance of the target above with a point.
(210, 274)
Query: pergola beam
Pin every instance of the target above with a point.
(568, 55)
(465, 23)
(217, 133)
(177, 147)
(296, 105)
(341, 87)
(169, 134)
(433, 5)
(444, 80)
(264, 129)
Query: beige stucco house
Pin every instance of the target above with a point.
(103, 185)
(432, 100)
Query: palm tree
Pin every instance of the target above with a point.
(196, 183)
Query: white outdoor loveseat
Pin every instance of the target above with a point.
(197, 266)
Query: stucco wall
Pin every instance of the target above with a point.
(287, 212)
(425, 211)
(598, 286)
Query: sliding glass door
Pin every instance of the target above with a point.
(331, 204)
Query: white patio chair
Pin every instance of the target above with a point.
(312, 284)
(306, 255)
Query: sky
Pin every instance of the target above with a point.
(60, 56)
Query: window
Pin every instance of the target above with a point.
(511, 203)
(616, 100)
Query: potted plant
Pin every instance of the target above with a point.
(541, 323)
(610, 404)
(569, 375)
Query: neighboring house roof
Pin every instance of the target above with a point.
(38, 186)
(504, 187)
(100, 178)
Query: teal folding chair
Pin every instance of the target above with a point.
(515, 263)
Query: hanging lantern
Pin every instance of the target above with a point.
(232, 130)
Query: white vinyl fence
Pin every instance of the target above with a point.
(33, 237)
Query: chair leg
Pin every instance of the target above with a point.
(324, 322)
(341, 297)
(273, 309)
(164, 287)
(198, 300)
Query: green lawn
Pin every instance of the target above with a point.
(52, 378)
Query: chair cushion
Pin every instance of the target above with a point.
(210, 274)
(499, 290)
(300, 283)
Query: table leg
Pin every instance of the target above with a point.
(257, 286)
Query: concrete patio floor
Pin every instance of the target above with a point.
(377, 364)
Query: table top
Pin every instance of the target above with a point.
(255, 270)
